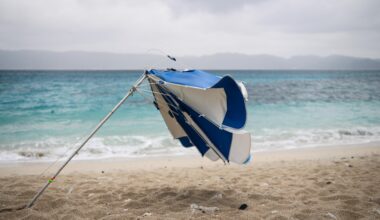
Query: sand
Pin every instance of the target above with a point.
(318, 183)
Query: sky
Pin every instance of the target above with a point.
(194, 27)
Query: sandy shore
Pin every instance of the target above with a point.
(318, 183)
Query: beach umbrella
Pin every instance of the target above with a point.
(205, 111)
(200, 109)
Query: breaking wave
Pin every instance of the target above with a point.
(276, 139)
(152, 146)
(96, 148)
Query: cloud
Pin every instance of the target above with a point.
(210, 6)
(323, 16)
(279, 27)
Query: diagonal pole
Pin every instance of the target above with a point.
(101, 123)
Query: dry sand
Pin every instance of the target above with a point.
(318, 183)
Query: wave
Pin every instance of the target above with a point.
(273, 139)
(96, 148)
(164, 145)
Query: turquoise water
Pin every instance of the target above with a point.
(44, 114)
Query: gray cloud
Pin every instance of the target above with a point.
(279, 27)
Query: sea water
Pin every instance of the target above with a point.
(44, 115)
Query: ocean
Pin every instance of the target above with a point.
(45, 114)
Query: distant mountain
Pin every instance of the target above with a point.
(33, 59)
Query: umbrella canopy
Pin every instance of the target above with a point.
(204, 110)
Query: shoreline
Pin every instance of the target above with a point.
(185, 161)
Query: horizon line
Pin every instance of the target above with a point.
(188, 55)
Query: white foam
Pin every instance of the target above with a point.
(278, 139)
(96, 148)
(150, 146)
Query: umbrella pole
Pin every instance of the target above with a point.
(130, 92)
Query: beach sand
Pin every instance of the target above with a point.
(316, 183)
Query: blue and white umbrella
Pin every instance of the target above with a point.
(204, 110)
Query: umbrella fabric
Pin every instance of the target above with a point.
(204, 110)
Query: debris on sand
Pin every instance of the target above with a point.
(243, 206)
(91, 194)
(217, 196)
(348, 165)
(127, 200)
(377, 211)
(203, 209)
(70, 190)
(147, 214)
(329, 214)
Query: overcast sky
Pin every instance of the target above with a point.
(194, 27)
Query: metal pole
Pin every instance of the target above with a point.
(130, 92)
